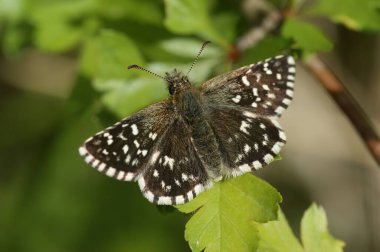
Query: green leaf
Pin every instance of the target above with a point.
(186, 47)
(314, 234)
(127, 97)
(363, 15)
(11, 9)
(276, 236)
(56, 36)
(192, 17)
(306, 36)
(108, 55)
(268, 47)
(141, 11)
(39, 11)
(229, 214)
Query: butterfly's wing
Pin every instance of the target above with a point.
(175, 174)
(247, 142)
(264, 88)
(152, 147)
(247, 101)
(122, 150)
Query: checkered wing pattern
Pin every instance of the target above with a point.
(264, 88)
(122, 150)
(175, 173)
(247, 142)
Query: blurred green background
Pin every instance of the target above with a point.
(63, 77)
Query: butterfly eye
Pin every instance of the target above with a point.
(171, 88)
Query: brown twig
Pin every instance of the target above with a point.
(347, 104)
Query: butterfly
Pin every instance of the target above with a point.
(177, 148)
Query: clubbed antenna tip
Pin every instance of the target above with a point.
(145, 70)
(196, 58)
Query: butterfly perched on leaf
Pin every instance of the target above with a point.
(177, 148)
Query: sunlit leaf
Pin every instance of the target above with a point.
(57, 36)
(228, 214)
(129, 96)
(141, 11)
(314, 233)
(306, 36)
(276, 236)
(268, 47)
(357, 15)
(108, 55)
(192, 17)
(187, 47)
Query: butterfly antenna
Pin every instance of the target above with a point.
(196, 58)
(145, 70)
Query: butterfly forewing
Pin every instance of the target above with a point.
(265, 88)
(121, 151)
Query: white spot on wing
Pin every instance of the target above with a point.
(179, 199)
(136, 143)
(135, 131)
(155, 173)
(286, 101)
(247, 148)
(184, 177)
(279, 110)
(154, 157)
(125, 149)
(244, 126)
(255, 93)
(164, 200)
(277, 147)
(82, 151)
(169, 161)
(120, 175)
(236, 99)
(257, 165)
(245, 80)
(249, 114)
(101, 167)
(268, 158)
(291, 60)
(110, 172)
(245, 168)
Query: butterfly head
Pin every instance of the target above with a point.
(177, 81)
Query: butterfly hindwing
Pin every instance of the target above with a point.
(174, 174)
(264, 88)
(247, 142)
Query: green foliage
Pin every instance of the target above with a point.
(307, 37)
(314, 234)
(108, 55)
(357, 15)
(276, 236)
(192, 17)
(229, 214)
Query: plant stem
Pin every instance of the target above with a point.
(347, 104)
